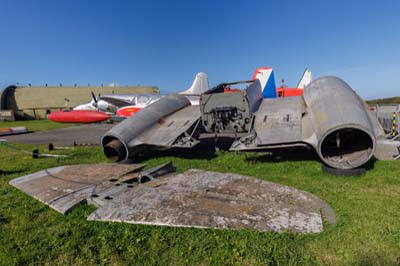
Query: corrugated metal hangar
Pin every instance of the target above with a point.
(30, 102)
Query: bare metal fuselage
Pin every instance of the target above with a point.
(329, 116)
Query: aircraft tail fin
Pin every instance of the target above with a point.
(305, 79)
(200, 85)
(267, 80)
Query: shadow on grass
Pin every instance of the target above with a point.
(370, 164)
(11, 172)
(4, 220)
(205, 150)
(283, 155)
(194, 153)
(296, 154)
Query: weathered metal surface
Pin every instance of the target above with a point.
(279, 121)
(64, 187)
(167, 130)
(225, 112)
(157, 171)
(128, 131)
(387, 149)
(217, 200)
(329, 116)
(195, 198)
(343, 132)
(229, 112)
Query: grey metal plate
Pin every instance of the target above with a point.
(217, 200)
(165, 132)
(64, 187)
(279, 121)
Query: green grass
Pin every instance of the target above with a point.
(35, 125)
(367, 209)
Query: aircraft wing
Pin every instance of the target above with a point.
(167, 131)
(115, 101)
(168, 122)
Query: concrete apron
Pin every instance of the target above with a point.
(194, 198)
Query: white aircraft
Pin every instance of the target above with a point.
(305, 79)
(131, 103)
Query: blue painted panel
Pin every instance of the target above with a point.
(270, 87)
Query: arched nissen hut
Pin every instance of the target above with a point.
(32, 102)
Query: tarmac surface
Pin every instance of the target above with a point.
(90, 134)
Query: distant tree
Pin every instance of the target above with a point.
(395, 100)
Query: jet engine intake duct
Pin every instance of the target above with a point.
(344, 135)
(119, 142)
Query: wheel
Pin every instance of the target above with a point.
(343, 172)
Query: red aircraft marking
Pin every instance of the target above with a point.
(78, 116)
(127, 111)
(287, 92)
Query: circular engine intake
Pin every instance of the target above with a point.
(114, 149)
(343, 132)
(346, 148)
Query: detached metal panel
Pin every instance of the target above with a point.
(279, 121)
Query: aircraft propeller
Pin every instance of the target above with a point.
(94, 99)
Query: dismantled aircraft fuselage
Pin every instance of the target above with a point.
(329, 116)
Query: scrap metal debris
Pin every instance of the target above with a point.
(36, 154)
(194, 198)
(64, 187)
(13, 131)
(199, 198)
(52, 147)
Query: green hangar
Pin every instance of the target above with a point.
(34, 102)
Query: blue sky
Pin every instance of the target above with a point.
(165, 43)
